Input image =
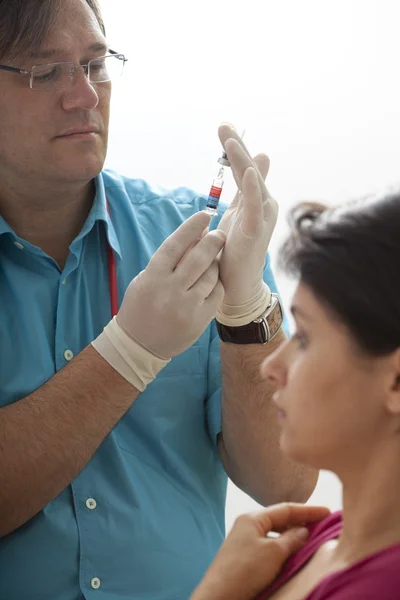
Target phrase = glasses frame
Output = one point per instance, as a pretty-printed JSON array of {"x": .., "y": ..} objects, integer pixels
[{"x": 85, "y": 67}]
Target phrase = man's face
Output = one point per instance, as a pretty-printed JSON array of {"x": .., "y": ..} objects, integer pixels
[{"x": 33, "y": 123}]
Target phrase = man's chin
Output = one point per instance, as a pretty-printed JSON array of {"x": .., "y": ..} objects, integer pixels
[{"x": 82, "y": 170}]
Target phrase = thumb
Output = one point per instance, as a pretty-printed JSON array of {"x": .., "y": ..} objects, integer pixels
[
  {"x": 176, "y": 246},
  {"x": 292, "y": 540}
]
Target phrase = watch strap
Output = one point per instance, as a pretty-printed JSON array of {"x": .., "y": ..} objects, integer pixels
[{"x": 259, "y": 331}]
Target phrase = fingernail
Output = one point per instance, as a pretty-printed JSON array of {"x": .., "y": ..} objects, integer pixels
[{"x": 302, "y": 533}]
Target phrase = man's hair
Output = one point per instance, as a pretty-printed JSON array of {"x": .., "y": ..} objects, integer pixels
[
  {"x": 25, "y": 24},
  {"x": 349, "y": 257}
]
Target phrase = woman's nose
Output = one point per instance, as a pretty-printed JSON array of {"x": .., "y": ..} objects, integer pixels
[{"x": 273, "y": 368}]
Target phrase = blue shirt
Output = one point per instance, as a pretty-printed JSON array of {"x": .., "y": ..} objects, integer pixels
[{"x": 145, "y": 517}]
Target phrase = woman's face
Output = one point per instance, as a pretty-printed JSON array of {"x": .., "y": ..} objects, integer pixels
[{"x": 330, "y": 396}]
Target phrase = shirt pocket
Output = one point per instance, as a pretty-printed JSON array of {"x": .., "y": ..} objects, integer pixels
[
  {"x": 169, "y": 416},
  {"x": 190, "y": 362}
]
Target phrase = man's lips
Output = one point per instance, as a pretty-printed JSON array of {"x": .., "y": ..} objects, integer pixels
[{"x": 79, "y": 131}]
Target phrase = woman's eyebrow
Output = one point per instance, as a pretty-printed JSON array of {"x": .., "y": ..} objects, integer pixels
[{"x": 296, "y": 311}]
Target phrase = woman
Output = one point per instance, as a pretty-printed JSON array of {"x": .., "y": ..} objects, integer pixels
[{"x": 338, "y": 395}]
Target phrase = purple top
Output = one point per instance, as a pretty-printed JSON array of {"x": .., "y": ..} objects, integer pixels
[{"x": 375, "y": 577}]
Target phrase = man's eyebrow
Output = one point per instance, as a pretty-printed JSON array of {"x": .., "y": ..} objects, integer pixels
[
  {"x": 295, "y": 310},
  {"x": 52, "y": 52}
]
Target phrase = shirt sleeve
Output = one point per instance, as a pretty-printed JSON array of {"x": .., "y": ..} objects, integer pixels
[{"x": 214, "y": 386}]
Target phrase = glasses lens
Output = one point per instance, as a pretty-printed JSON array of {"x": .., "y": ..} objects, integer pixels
[
  {"x": 46, "y": 77},
  {"x": 106, "y": 68}
]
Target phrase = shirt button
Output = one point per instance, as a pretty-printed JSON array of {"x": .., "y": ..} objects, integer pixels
[
  {"x": 68, "y": 355},
  {"x": 91, "y": 503},
  {"x": 95, "y": 583},
  {"x": 19, "y": 245},
  {"x": 64, "y": 281}
]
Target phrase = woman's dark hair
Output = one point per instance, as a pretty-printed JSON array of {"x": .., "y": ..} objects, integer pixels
[
  {"x": 24, "y": 24},
  {"x": 350, "y": 258}
]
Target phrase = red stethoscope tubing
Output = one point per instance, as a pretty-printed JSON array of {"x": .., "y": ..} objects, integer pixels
[{"x": 112, "y": 277}]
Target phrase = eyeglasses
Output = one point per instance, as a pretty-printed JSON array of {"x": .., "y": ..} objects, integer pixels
[{"x": 59, "y": 75}]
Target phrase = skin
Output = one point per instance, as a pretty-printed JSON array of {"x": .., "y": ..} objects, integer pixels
[{"x": 339, "y": 409}]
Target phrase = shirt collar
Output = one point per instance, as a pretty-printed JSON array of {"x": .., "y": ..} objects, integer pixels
[
  {"x": 4, "y": 227},
  {"x": 98, "y": 212}
]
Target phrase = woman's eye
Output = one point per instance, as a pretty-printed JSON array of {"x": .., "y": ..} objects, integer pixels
[{"x": 301, "y": 339}]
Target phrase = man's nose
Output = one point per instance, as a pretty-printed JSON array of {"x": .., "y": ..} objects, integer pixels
[{"x": 81, "y": 93}]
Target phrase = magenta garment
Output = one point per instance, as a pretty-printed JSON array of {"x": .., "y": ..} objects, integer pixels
[{"x": 376, "y": 577}]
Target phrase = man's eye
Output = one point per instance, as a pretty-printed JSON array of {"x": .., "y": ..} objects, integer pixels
[
  {"x": 301, "y": 339},
  {"x": 47, "y": 75}
]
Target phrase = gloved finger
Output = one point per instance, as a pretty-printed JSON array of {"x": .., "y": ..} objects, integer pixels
[
  {"x": 282, "y": 516},
  {"x": 235, "y": 200},
  {"x": 262, "y": 162},
  {"x": 271, "y": 207},
  {"x": 226, "y": 131},
  {"x": 207, "y": 229},
  {"x": 203, "y": 287},
  {"x": 240, "y": 161},
  {"x": 198, "y": 260},
  {"x": 174, "y": 248},
  {"x": 214, "y": 300},
  {"x": 253, "y": 213}
]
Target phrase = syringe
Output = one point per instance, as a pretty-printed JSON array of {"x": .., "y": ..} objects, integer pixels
[{"x": 217, "y": 185}]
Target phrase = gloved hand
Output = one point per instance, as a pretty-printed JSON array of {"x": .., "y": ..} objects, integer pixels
[
  {"x": 168, "y": 305},
  {"x": 248, "y": 223},
  {"x": 248, "y": 561}
]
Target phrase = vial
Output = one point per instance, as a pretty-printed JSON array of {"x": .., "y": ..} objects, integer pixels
[{"x": 217, "y": 185}]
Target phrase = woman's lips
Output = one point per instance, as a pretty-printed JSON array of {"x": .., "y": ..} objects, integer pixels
[{"x": 280, "y": 411}]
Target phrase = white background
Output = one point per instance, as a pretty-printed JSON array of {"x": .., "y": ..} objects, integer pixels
[{"x": 314, "y": 82}]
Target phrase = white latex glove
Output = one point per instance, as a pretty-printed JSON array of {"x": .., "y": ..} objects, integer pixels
[
  {"x": 168, "y": 305},
  {"x": 248, "y": 561},
  {"x": 248, "y": 223}
]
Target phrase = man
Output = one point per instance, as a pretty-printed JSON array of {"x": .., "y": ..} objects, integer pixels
[{"x": 111, "y": 453}]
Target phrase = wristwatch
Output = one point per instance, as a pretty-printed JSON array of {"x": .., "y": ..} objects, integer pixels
[{"x": 259, "y": 331}]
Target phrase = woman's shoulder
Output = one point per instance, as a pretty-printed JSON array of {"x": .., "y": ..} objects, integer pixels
[{"x": 376, "y": 576}]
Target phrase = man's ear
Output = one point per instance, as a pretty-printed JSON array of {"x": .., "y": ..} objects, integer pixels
[{"x": 393, "y": 396}]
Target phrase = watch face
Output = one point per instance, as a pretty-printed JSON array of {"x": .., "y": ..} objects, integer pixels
[{"x": 275, "y": 318}]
